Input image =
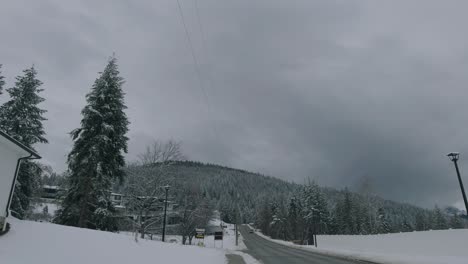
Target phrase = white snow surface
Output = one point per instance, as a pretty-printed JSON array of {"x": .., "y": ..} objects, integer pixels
[
  {"x": 228, "y": 245},
  {"x": 425, "y": 247},
  {"x": 33, "y": 242}
]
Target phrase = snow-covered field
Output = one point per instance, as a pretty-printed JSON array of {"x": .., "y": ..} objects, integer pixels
[
  {"x": 228, "y": 245},
  {"x": 34, "y": 242},
  {"x": 427, "y": 247}
]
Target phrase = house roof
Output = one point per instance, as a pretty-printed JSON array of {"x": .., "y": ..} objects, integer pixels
[{"x": 20, "y": 145}]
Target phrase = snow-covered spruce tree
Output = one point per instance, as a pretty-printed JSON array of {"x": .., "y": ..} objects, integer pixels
[
  {"x": 21, "y": 118},
  {"x": 456, "y": 222},
  {"x": 344, "y": 214},
  {"x": 295, "y": 217},
  {"x": 315, "y": 209},
  {"x": 438, "y": 219},
  {"x": 96, "y": 159},
  {"x": 385, "y": 226}
]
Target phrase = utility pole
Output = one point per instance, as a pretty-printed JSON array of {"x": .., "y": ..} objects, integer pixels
[
  {"x": 454, "y": 156},
  {"x": 237, "y": 236},
  {"x": 165, "y": 213},
  {"x": 237, "y": 220}
]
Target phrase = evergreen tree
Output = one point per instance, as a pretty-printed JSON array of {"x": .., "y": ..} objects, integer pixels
[
  {"x": 438, "y": 219},
  {"x": 421, "y": 223},
  {"x": 21, "y": 118},
  {"x": 2, "y": 80},
  {"x": 96, "y": 159},
  {"x": 265, "y": 217},
  {"x": 333, "y": 226},
  {"x": 361, "y": 217},
  {"x": 406, "y": 226},
  {"x": 385, "y": 225},
  {"x": 456, "y": 222},
  {"x": 279, "y": 226},
  {"x": 314, "y": 210},
  {"x": 344, "y": 214},
  {"x": 294, "y": 217}
]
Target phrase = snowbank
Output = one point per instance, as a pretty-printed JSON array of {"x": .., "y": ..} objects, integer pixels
[
  {"x": 33, "y": 242},
  {"x": 427, "y": 247}
]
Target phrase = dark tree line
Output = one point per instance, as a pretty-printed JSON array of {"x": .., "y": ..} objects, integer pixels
[{"x": 307, "y": 211}]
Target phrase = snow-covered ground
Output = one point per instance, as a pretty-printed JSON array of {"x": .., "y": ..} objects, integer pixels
[
  {"x": 33, "y": 242},
  {"x": 427, "y": 247},
  {"x": 228, "y": 245}
]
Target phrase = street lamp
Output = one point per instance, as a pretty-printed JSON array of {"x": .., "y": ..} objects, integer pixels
[
  {"x": 165, "y": 213},
  {"x": 453, "y": 156}
]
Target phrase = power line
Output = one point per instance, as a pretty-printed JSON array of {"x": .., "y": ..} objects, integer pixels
[
  {"x": 195, "y": 61},
  {"x": 192, "y": 51},
  {"x": 203, "y": 38},
  {"x": 202, "y": 32}
]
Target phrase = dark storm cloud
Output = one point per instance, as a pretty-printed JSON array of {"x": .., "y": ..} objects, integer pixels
[{"x": 333, "y": 90}]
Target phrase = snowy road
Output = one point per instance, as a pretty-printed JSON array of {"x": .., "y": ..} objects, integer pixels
[{"x": 273, "y": 253}]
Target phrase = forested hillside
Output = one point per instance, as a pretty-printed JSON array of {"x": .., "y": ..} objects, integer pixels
[
  {"x": 276, "y": 205},
  {"x": 229, "y": 189}
]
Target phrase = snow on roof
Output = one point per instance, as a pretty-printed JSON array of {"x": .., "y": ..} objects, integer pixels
[{"x": 18, "y": 145}]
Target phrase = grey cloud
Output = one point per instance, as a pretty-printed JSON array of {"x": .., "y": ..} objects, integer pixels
[{"x": 333, "y": 90}]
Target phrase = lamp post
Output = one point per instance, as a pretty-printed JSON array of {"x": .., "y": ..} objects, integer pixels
[
  {"x": 165, "y": 213},
  {"x": 237, "y": 220},
  {"x": 454, "y": 156}
]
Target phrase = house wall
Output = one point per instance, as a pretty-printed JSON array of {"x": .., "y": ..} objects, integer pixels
[{"x": 8, "y": 159}]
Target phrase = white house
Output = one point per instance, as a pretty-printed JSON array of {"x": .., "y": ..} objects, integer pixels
[{"x": 12, "y": 153}]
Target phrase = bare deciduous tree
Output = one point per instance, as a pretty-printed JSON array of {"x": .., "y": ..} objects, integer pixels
[
  {"x": 162, "y": 152},
  {"x": 196, "y": 213},
  {"x": 144, "y": 190}
]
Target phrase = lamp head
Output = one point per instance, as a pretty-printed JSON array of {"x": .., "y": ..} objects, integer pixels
[{"x": 453, "y": 156}]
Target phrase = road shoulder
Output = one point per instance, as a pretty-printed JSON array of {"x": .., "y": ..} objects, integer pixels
[{"x": 235, "y": 259}]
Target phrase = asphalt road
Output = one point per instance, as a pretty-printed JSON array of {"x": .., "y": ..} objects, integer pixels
[{"x": 273, "y": 253}]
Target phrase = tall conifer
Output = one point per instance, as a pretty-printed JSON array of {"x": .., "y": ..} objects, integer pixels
[
  {"x": 96, "y": 159},
  {"x": 22, "y": 119}
]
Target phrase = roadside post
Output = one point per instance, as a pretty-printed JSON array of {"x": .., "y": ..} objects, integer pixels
[
  {"x": 200, "y": 234},
  {"x": 219, "y": 236},
  {"x": 165, "y": 214}
]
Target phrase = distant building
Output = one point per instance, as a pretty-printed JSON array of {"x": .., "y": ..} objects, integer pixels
[
  {"x": 211, "y": 229},
  {"x": 51, "y": 191},
  {"x": 119, "y": 201}
]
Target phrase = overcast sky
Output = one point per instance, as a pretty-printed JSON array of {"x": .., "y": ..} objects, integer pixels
[{"x": 333, "y": 90}]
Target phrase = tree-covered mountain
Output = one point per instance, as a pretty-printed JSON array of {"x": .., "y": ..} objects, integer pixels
[
  {"x": 263, "y": 199},
  {"x": 229, "y": 189}
]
